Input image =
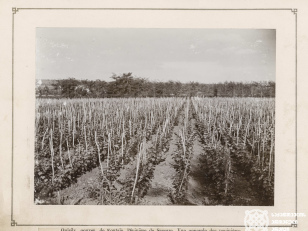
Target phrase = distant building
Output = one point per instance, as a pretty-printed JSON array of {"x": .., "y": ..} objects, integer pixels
[{"x": 46, "y": 87}]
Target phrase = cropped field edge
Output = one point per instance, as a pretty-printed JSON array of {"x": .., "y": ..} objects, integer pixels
[{"x": 15, "y": 10}]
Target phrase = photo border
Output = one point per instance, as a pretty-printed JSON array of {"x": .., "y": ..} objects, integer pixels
[{"x": 15, "y": 10}]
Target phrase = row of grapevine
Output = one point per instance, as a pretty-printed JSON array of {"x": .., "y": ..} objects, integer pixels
[
  {"x": 75, "y": 136},
  {"x": 127, "y": 138},
  {"x": 238, "y": 140},
  {"x": 182, "y": 156}
]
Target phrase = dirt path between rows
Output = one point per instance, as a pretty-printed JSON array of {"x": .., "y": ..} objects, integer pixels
[
  {"x": 164, "y": 173},
  {"x": 161, "y": 183},
  {"x": 196, "y": 180}
]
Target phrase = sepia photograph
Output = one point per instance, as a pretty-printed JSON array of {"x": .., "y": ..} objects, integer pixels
[
  {"x": 129, "y": 116},
  {"x": 170, "y": 116}
]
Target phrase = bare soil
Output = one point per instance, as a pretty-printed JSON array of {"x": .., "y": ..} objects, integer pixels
[
  {"x": 83, "y": 192},
  {"x": 161, "y": 184}
]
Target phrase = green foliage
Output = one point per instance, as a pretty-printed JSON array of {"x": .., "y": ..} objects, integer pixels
[
  {"x": 182, "y": 156},
  {"x": 127, "y": 85},
  {"x": 232, "y": 135},
  {"x": 76, "y": 136}
]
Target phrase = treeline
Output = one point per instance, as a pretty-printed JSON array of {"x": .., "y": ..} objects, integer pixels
[{"x": 126, "y": 85}]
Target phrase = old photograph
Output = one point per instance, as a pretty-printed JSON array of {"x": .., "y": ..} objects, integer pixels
[{"x": 153, "y": 116}]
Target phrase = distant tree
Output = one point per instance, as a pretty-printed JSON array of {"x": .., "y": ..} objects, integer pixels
[
  {"x": 177, "y": 88},
  {"x": 68, "y": 87},
  {"x": 127, "y": 85},
  {"x": 100, "y": 88},
  {"x": 271, "y": 88},
  {"x": 46, "y": 91},
  {"x": 57, "y": 87},
  {"x": 123, "y": 84},
  {"x": 215, "y": 92},
  {"x": 193, "y": 88},
  {"x": 170, "y": 88},
  {"x": 160, "y": 89},
  {"x": 40, "y": 91}
]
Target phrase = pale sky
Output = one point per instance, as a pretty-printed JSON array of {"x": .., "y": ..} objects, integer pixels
[{"x": 203, "y": 55}]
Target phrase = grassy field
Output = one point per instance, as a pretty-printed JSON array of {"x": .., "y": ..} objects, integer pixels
[{"x": 168, "y": 151}]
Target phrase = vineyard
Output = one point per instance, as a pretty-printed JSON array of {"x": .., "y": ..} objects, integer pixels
[{"x": 147, "y": 151}]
